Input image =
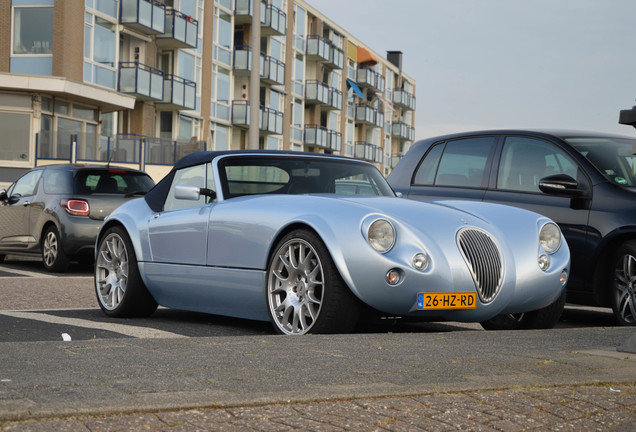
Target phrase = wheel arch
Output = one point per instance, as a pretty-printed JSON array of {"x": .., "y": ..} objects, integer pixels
[{"x": 604, "y": 256}]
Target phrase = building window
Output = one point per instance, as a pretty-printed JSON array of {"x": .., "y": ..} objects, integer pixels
[
  {"x": 100, "y": 51},
  {"x": 33, "y": 30},
  {"x": 16, "y": 133}
]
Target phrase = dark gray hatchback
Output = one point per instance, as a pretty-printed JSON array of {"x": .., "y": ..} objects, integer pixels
[
  {"x": 56, "y": 211},
  {"x": 586, "y": 182}
]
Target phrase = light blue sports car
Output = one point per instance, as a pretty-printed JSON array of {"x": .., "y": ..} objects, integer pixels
[{"x": 310, "y": 241}]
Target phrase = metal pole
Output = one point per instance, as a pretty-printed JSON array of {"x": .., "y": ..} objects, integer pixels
[{"x": 255, "y": 76}]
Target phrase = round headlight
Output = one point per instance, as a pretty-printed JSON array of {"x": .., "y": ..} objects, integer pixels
[
  {"x": 550, "y": 237},
  {"x": 381, "y": 235}
]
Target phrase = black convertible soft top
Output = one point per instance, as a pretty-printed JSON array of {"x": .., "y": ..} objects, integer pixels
[{"x": 157, "y": 195}]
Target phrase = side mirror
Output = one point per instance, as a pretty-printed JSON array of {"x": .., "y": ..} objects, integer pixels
[
  {"x": 3, "y": 194},
  {"x": 399, "y": 194},
  {"x": 192, "y": 193},
  {"x": 560, "y": 184}
]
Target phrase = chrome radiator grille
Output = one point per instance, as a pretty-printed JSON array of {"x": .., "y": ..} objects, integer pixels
[{"x": 484, "y": 261}]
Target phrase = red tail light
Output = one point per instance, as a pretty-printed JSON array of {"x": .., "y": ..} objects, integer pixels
[{"x": 76, "y": 207}]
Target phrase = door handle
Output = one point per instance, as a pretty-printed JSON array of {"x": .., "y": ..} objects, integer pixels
[{"x": 28, "y": 203}]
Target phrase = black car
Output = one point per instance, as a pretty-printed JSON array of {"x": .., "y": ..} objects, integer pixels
[
  {"x": 56, "y": 211},
  {"x": 586, "y": 182}
]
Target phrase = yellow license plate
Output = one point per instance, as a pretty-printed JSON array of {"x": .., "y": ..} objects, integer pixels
[{"x": 437, "y": 301}]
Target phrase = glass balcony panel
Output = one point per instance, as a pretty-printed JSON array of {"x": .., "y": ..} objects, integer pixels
[
  {"x": 317, "y": 46},
  {"x": 192, "y": 30},
  {"x": 156, "y": 86},
  {"x": 127, "y": 80},
  {"x": 189, "y": 96},
  {"x": 158, "y": 18},
  {"x": 178, "y": 93},
  {"x": 243, "y": 7},
  {"x": 143, "y": 82},
  {"x": 240, "y": 113},
  {"x": 179, "y": 27},
  {"x": 145, "y": 13},
  {"x": 242, "y": 59}
]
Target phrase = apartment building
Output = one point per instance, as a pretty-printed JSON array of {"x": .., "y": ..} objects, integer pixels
[{"x": 144, "y": 82}]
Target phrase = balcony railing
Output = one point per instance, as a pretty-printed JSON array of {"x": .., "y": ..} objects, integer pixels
[
  {"x": 316, "y": 135},
  {"x": 368, "y": 115},
  {"x": 335, "y": 99},
  {"x": 318, "y": 48},
  {"x": 370, "y": 79},
  {"x": 369, "y": 152},
  {"x": 270, "y": 121},
  {"x": 274, "y": 71},
  {"x": 403, "y": 99},
  {"x": 316, "y": 92},
  {"x": 273, "y": 20},
  {"x": 145, "y": 16},
  {"x": 181, "y": 31},
  {"x": 336, "y": 58},
  {"x": 403, "y": 131},
  {"x": 242, "y": 59},
  {"x": 178, "y": 93},
  {"x": 141, "y": 80},
  {"x": 335, "y": 140}
]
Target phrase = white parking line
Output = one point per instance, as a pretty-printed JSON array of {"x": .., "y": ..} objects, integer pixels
[
  {"x": 25, "y": 273},
  {"x": 132, "y": 331}
]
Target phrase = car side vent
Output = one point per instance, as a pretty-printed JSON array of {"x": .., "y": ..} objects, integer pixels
[{"x": 482, "y": 255}]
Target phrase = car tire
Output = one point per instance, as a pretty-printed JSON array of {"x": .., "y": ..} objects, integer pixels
[
  {"x": 118, "y": 285},
  {"x": 544, "y": 318},
  {"x": 304, "y": 290},
  {"x": 53, "y": 256},
  {"x": 623, "y": 284}
]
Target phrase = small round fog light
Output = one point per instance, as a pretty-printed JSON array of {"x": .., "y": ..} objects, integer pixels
[
  {"x": 544, "y": 262},
  {"x": 420, "y": 261},
  {"x": 564, "y": 276},
  {"x": 393, "y": 277}
]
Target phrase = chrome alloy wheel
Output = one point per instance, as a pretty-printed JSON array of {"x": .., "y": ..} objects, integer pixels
[
  {"x": 50, "y": 248},
  {"x": 111, "y": 271},
  {"x": 625, "y": 289},
  {"x": 295, "y": 287}
]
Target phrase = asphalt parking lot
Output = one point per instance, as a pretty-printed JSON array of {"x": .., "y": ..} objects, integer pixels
[{"x": 223, "y": 374}]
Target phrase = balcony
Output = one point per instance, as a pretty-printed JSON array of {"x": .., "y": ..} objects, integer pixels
[
  {"x": 274, "y": 71},
  {"x": 318, "y": 48},
  {"x": 370, "y": 79},
  {"x": 368, "y": 115},
  {"x": 336, "y": 58},
  {"x": 274, "y": 23},
  {"x": 335, "y": 140},
  {"x": 140, "y": 80},
  {"x": 403, "y": 131},
  {"x": 178, "y": 93},
  {"x": 316, "y": 135},
  {"x": 335, "y": 99},
  {"x": 403, "y": 99},
  {"x": 368, "y": 152},
  {"x": 270, "y": 121},
  {"x": 317, "y": 92},
  {"x": 144, "y": 16},
  {"x": 273, "y": 20},
  {"x": 181, "y": 31}
]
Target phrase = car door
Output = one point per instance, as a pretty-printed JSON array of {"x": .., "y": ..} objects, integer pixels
[
  {"x": 455, "y": 169},
  {"x": 523, "y": 161},
  {"x": 15, "y": 212},
  {"x": 178, "y": 234}
]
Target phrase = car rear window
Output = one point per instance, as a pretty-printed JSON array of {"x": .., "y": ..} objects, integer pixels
[{"x": 112, "y": 182}]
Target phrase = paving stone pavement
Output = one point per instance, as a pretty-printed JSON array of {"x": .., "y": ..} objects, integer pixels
[{"x": 602, "y": 407}]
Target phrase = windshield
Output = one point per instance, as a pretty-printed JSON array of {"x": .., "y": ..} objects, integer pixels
[
  {"x": 611, "y": 156},
  {"x": 251, "y": 175}
]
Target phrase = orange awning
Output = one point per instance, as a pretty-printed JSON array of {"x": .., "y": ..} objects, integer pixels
[{"x": 366, "y": 57}]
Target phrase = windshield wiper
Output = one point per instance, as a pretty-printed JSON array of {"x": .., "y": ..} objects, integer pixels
[{"x": 129, "y": 194}]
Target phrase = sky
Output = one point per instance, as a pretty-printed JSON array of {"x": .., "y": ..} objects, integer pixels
[{"x": 493, "y": 64}]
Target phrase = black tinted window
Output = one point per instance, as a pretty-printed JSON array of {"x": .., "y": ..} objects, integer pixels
[
  {"x": 462, "y": 163},
  {"x": 525, "y": 161},
  {"x": 111, "y": 182}
]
